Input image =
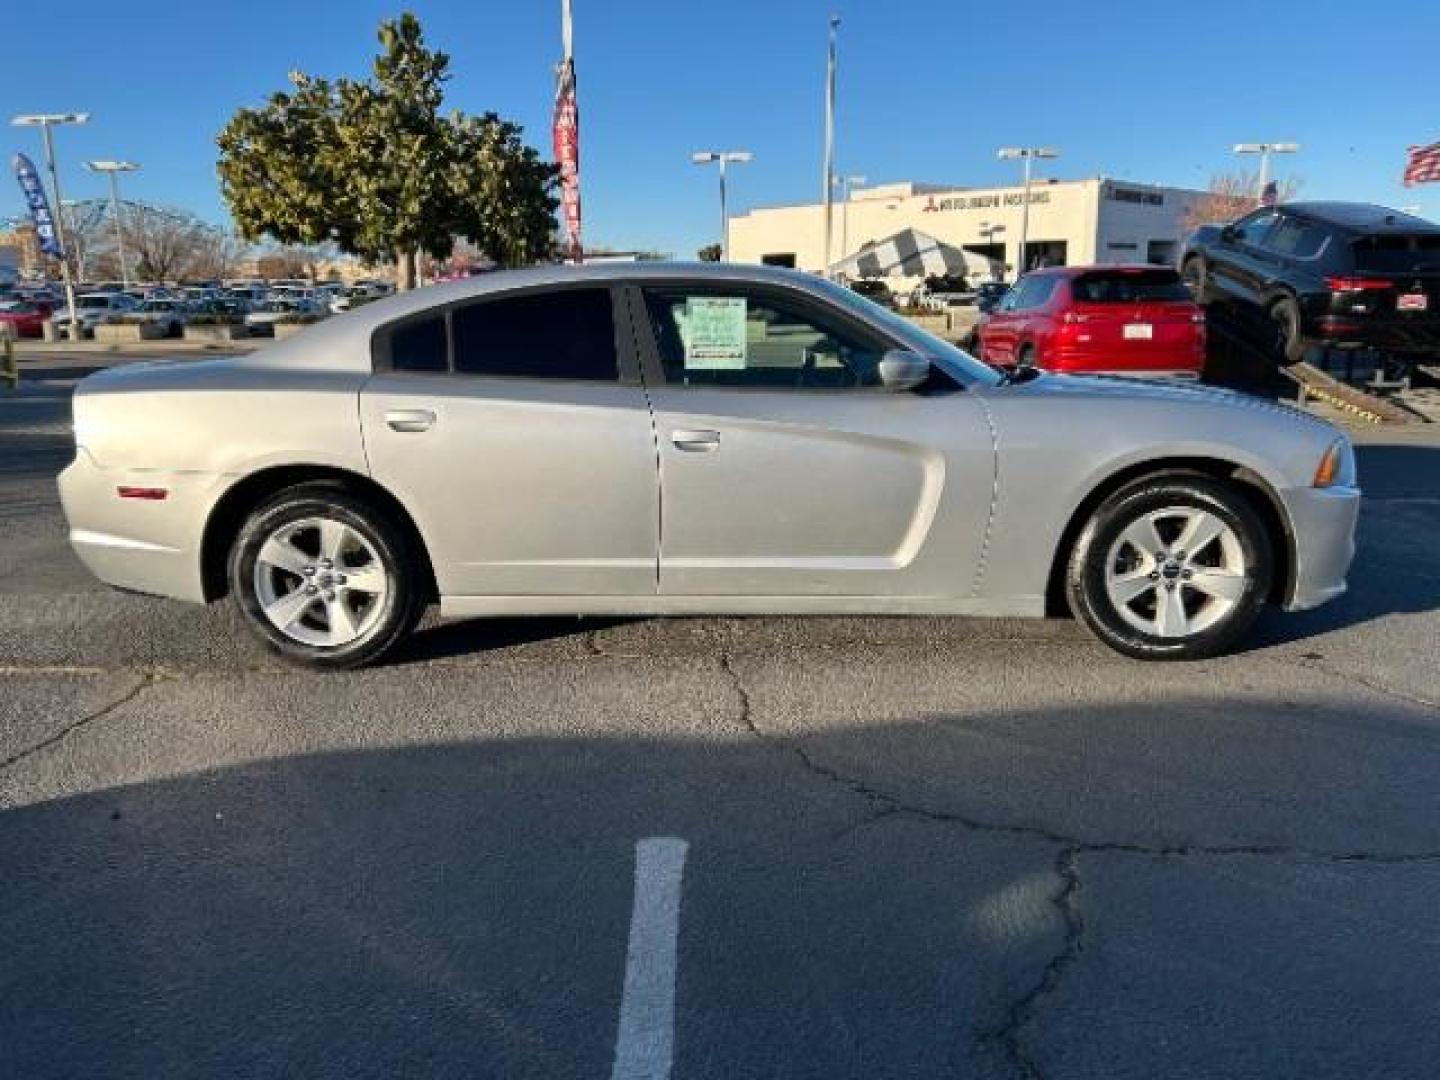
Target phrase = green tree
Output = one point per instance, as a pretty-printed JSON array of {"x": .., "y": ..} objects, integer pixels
[{"x": 375, "y": 169}]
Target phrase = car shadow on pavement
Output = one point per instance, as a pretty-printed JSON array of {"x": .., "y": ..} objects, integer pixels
[{"x": 865, "y": 899}]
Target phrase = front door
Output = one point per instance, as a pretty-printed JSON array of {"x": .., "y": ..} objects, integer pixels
[
  {"x": 786, "y": 470},
  {"x": 516, "y": 432}
]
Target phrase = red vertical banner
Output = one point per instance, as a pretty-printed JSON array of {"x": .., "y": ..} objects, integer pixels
[{"x": 567, "y": 155}]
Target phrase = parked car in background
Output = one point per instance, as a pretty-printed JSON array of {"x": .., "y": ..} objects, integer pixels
[
  {"x": 1114, "y": 320},
  {"x": 816, "y": 454},
  {"x": 873, "y": 289},
  {"x": 988, "y": 295},
  {"x": 167, "y": 313},
  {"x": 262, "y": 319},
  {"x": 1327, "y": 274},
  {"x": 93, "y": 308},
  {"x": 353, "y": 297},
  {"x": 23, "y": 318}
]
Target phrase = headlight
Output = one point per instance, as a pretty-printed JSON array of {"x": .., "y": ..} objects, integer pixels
[{"x": 1337, "y": 467}]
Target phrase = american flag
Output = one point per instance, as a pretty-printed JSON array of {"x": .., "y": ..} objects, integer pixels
[
  {"x": 566, "y": 132},
  {"x": 1422, "y": 164}
]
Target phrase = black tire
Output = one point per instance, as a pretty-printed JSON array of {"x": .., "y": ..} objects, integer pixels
[
  {"x": 1285, "y": 314},
  {"x": 1196, "y": 275},
  {"x": 1086, "y": 576},
  {"x": 396, "y": 611}
]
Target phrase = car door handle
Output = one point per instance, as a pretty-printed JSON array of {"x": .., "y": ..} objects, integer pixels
[
  {"x": 700, "y": 442},
  {"x": 410, "y": 419}
]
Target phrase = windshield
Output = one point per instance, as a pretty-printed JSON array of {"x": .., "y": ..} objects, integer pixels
[
  {"x": 1397, "y": 254},
  {"x": 955, "y": 360},
  {"x": 1128, "y": 287}
]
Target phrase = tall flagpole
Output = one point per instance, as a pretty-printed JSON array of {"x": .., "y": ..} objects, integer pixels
[
  {"x": 566, "y": 134},
  {"x": 828, "y": 181}
]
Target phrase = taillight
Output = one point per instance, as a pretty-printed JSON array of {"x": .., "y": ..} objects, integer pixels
[
  {"x": 1356, "y": 284},
  {"x": 1070, "y": 318}
]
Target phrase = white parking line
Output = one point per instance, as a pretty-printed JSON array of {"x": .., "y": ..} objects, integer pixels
[{"x": 645, "y": 1043}]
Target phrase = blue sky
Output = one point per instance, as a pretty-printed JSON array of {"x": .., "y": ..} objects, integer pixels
[{"x": 1149, "y": 92}]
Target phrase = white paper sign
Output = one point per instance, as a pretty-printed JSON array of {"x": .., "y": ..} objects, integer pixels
[{"x": 714, "y": 333}]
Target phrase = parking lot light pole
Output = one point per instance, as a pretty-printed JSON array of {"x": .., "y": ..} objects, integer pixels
[
  {"x": 46, "y": 121},
  {"x": 1026, "y": 154},
  {"x": 827, "y": 183},
  {"x": 1265, "y": 149},
  {"x": 722, "y": 158},
  {"x": 111, "y": 169},
  {"x": 847, "y": 185}
]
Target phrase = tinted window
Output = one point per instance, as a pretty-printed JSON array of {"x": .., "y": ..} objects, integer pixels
[
  {"x": 1256, "y": 226},
  {"x": 710, "y": 339},
  {"x": 414, "y": 346},
  {"x": 1299, "y": 239},
  {"x": 1397, "y": 254},
  {"x": 1128, "y": 287},
  {"x": 566, "y": 334}
]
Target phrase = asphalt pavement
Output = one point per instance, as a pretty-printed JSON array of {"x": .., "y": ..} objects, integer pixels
[{"x": 715, "y": 847}]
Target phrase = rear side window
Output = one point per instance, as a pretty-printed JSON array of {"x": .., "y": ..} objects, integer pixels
[
  {"x": 1397, "y": 253},
  {"x": 566, "y": 334},
  {"x": 1128, "y": 287},
  {"x": 1298, "y": 239},
  {"x": 415, "y": 346}
]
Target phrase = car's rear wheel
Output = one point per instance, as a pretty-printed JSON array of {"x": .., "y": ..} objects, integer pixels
[
  {"x": 324, "y": 579},
  {"x": 1172, "y": 567},
  {"x": 1285, "y": 314}
]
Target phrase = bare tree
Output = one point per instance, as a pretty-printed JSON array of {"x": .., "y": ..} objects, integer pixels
[
  {"x": 294, "y": 261},
  {"x": 218, "y": 255},
  {"x": 165, "y": 244},
  {"x": 1232, "y": 196}
]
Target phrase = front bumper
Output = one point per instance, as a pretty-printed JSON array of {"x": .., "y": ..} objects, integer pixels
[
  {"x": 142, "y": 545},
  {"x": 1322, "y": 529}
]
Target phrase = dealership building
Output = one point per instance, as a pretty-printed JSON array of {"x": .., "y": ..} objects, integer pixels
[{"x": 1072, "y": 222}]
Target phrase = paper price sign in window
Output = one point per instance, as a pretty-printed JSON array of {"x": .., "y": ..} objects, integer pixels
[{"x": 715, "y": 333}]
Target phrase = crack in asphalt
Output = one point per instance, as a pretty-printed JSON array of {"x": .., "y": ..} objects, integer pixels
[
  {"x": 1023, "y": 1009},
  {"x": 147, "y": 680},
  {"x": 1066, "y": 901}
]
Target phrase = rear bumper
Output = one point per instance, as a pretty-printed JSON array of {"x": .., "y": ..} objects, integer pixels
[
  {"x": 149, "y": 546},
  {"x": 1322, "y": 525},
  {"x": 1396, "y": 335}
]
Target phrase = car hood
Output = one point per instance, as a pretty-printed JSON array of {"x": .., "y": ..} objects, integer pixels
[{"x": 1119, "y": 389}]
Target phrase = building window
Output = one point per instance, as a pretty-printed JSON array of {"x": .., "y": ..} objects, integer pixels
[
  {"x": 785, "y": 259},
  {"x": 1161, "y": 252}
]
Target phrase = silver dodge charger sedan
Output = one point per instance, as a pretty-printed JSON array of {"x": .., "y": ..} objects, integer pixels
[{"x": 675, "y": 440}]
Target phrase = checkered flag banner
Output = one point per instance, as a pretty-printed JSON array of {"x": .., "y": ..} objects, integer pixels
[{"x": 1422, "y": 164}]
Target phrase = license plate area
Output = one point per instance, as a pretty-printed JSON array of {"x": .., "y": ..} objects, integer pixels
[
  {"x": 1138, "y": 331},
  {"x": 1412, "y": 302}
]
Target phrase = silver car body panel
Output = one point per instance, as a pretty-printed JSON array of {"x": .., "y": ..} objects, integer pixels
[{"x": 547, "y": 496}]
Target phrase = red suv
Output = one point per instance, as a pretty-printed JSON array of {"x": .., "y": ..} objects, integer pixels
[{"x": 1117, "y": 320}]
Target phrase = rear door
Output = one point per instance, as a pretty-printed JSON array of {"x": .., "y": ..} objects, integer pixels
[
  {"x": 786, "y": 470},
  {"x": 1002, "y": 328},
  {"x": 515, "y": 430}
]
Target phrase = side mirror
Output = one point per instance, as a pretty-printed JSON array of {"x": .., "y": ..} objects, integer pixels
[{"x": 902, "y": 370}]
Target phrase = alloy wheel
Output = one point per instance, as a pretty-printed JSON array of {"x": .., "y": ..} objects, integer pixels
[
  {"x": 320, "y": 582},
  {"x": 1176, "y": 571}
]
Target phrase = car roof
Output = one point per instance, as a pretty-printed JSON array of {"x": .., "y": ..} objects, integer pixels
[
  {"x": 1362, "y": 217},
  {"x": 343, "y": 343},
  {"x": 1100, "y": 268}
]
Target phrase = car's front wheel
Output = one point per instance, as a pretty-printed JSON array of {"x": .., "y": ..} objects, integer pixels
[
  {"x": 1172, "y": 567},
  {"x": 325, "y": 579}
]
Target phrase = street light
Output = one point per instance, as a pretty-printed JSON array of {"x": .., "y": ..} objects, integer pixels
[
  {"x": 847, "y": 184},
  {"x": 1026, "y": 154},
  {"x": 1265, "y": 149},
  {"x": 722, "y": 158},
  {"x": 46, "y": 121},
  {"x": 827, "y": 182},
  {"x": 110, "y": 169}
]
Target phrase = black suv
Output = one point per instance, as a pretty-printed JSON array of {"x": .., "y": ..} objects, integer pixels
[{"x": 1325, "y": 273}]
